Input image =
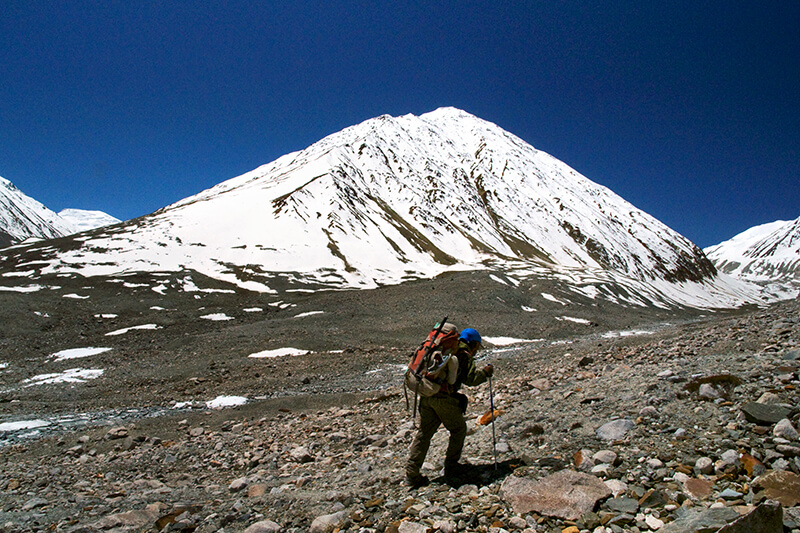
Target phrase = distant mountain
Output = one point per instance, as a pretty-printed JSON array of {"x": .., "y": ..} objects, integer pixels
[
  {"x": 768, "y": 254},
  {"x": 396, "y": 199},
  {"x": 22, "y": 217},
  {"x": 83, "y": 220}
]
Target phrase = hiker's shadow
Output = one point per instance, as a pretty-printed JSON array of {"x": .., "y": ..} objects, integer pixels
[{"x": 481, "y": 475}]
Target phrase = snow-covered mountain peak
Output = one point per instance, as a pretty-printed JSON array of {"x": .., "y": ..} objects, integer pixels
[
  {"x": 768, "y": 254},
  {"x": 84, "y": 220},
  {"x": 400, "y": 198},
  {"x": 22, "y": 217}
]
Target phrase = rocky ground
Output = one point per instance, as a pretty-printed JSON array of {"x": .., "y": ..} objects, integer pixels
[
  {"x": 685, "y": 426},
  {"x": 184, "y": 337}
]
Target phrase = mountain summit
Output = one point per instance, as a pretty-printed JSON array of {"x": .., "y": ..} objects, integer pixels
[
  {"x": 85, "y": 220},
  {"x": 395, "y": 199},
  {"x": 768, "y": 254},
  {"x": 22, "y": 217}
]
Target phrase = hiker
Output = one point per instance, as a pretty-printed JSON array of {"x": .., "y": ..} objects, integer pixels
[{"x": 447, "y": 407}]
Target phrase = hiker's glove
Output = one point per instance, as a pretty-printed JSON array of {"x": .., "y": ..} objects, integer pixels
[{"x": 488, "y": 370}]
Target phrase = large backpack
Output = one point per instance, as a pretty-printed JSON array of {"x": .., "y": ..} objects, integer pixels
[{"x": 427, "y": 368}]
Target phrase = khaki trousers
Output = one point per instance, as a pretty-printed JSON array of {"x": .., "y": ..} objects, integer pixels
[{"x": 435, "y": 411}]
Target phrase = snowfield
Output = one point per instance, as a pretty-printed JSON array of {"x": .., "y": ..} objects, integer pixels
[{"x": 77, "y": 353}]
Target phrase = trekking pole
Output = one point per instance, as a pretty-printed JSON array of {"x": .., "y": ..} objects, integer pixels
[{"x": 491, "y": 406}]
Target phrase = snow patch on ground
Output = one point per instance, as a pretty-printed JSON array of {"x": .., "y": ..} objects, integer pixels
[
  {"x": 126, "y": 330},
  {"x": 217, "y": 317},
  {"x": 573, "y": 319},
  {"x": 23, "y": 424},
  {"x": 28, "y": 288},
  {"x": 552, "y": 298},
  {"x": 281, "y": 305},
  {"x": 74, "y": 296},
  {"x": 220, "y": 402},
  {"x": 280, "y": 352},
  {"x": 19, "y": 274},
  {"x": 590, "y": 291},
  {"x": 310, "y": 313},
  {"x": 77, "y": 353},
  {"x": 629, "y": 333},
  {"x": 73, "y": 375},
  {"x": 190, "y": 286},
  {"x": 505, "y": 341}
]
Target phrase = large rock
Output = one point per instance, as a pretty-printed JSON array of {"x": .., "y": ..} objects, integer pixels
[
  {"x": 785, "y": 429},
  {"x": 238, "y": 484},
  {"x": 565, "y": 494},
  {"x": 766, "y": 518},
  {"x": 705, "y": 520},
  {"x": 141, "y": 518},
  {"x": 301, "y": 454},
  {"x": 117, "y": 433},
  {"x": 615, "y": 430},
  {"x": 329, "y": 522},
  {"x": 763, "y": 413},
  {"x": 623, "y": 505},
  {"x": 698, "y": 488},
  {"x": 412, "y": 527},
  {"x": 265, "y": 526},
  {"x": 780, "y": 485}
]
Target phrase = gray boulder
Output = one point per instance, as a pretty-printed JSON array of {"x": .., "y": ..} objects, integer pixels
[
  {"x": 763, "y": 413},
  {"x": 766, "y": 518},
  {"x": 265, "y": 526},
  {"x": 615, "y": 430},
  {"x": 693, "y": 520}
]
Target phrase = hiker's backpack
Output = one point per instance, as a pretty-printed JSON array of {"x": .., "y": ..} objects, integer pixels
[{"x": 427, "y": 369}]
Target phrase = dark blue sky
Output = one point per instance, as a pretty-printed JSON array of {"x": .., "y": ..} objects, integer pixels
[{"x": 688, "y": 109}]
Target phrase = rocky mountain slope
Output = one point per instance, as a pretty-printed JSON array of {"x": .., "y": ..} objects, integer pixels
[
  {"x": 685, "y": 426},
  {"x": 22, "y": 217},
  {"x": 768, "y": 255},
  {"x": 402, "y": 198}
]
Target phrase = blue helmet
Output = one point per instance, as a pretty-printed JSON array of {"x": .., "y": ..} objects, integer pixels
[{"x": 470, "y": 335}]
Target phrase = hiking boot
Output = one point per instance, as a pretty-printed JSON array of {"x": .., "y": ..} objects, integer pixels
[
  {"x": 416, "y": 482},
  {"x": 456, "y": 476},
  {"x": 454, "y": 480}
]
